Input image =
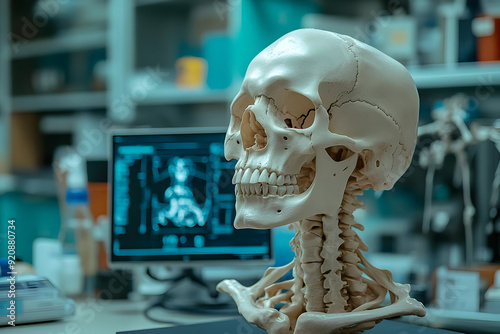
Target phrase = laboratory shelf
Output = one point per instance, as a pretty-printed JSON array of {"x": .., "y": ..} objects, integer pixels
[
  {"x": 67, "y": 42},
  {"x": 41, "y": 182},
  {"x": 170, "y": 94},
  {"x": 7, "y": 183},
  {"x": 59, "y": 101},
  {"x": 484, "y": 74},
  {"x": 140, "y": 3}
]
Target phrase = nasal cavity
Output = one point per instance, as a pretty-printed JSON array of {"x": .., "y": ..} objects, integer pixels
[{"x": 252, "y": 132}]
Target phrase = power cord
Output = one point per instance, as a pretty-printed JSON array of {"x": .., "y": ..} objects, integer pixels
[
  {"x": 160, "y": 304},
  {"x": 208, "y": 308},
  {"x": 156, "y": 278}
]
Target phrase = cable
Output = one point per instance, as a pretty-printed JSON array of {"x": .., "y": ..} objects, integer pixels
[
  {"x": 186, "y": 274},
  {"x": 169, "y": 279},
  {"x": 200, "y": 308},
  {"x": 149, "y": 308},
  {"x": 160, "y": 303}
]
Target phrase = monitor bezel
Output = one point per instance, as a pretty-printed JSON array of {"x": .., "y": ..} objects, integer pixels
[{"x": 130, "y": 264}]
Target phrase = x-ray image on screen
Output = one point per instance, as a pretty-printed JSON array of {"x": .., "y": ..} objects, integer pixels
[
  {"x": 173, "y": 199},
  {"x": 181, "y": 209}
]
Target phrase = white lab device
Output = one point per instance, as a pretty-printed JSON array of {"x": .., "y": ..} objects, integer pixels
[{"x": 36, "y": 300}]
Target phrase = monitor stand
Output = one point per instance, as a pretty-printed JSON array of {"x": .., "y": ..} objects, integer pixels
[{"x": 189, "y": 292}]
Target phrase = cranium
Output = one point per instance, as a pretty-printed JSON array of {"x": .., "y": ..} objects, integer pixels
[
  {"x": 320, "y": 117},
  {"x": 317, "y": 103}
]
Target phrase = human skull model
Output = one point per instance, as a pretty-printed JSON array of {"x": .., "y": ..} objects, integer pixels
[{"x": 320, "y": 117}]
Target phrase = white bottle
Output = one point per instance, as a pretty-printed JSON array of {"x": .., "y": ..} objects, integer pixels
[
  {"x": 71, "y": 274},
  {"x": 79, "y": 248}
]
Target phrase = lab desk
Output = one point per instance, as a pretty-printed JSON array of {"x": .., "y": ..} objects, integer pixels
[
  {"x": 100, "y": 316},
  {"x": 122, "y": 316}
]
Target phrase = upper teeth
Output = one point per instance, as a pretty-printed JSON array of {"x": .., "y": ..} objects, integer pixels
[{"x": 263, "y": 182}]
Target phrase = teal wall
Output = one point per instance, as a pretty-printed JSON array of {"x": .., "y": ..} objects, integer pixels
[
  {"x": 263, "y": 22},
  {"x": 35, "y": 217}
]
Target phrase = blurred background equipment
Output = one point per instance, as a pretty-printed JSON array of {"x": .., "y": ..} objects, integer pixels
[
  {"x": 447, "y": 120},
  {"x": 37, "y": 300}
]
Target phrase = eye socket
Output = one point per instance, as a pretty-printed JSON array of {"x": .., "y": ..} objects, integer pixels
[
  {"x": 238, "y": 107},
  {"x": 297, "y": 112},
  {"x": 339, "y": 153}
]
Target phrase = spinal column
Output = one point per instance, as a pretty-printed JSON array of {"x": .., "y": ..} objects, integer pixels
[
  {"x": 307, "y": 249},
  {"x": 354, "y": 291},
  {"x": 326, "y": 271},
  {"x": 312, "y": 267}
]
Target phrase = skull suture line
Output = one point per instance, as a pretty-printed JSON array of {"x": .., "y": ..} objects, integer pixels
[{"x": 319, "y": 118}]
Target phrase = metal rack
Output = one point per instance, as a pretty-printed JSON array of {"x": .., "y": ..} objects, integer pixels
[{"x": 456, "y": 75}]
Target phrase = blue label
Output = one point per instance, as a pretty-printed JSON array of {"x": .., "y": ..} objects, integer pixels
[{"x": 5, "y": 307}]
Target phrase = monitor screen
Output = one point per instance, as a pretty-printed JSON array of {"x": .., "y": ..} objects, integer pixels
[{"x": 172, "y": 200}]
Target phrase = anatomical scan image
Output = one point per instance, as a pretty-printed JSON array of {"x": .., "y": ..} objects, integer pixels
[{"x": 182, "y": 209}]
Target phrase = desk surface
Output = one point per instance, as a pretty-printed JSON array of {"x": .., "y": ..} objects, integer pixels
[
  {"x": 108, "y": 317},
  {"x": 239, "y": 325}
]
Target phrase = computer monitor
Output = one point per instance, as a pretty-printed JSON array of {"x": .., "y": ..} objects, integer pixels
[{"x": 173, "y": 203}]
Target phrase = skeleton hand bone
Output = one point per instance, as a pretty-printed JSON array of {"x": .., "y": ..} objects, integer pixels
[{"x": 266, "y": 317}]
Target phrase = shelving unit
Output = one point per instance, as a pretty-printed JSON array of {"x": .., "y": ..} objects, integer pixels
[
  {"x": 456, "y": 75},
  {"x": 28, "y": 51},
  {"x": 139, "y": 3},
  {"x": 169, "y": 94},
  {"x": 40, "y": 183},
  {"x": 60, "y": 101},
  {"x": 5, "y": 91},
  {"x": 119, "y": 40},
  {"x": 124, "y": 52},
  {"x": 70, "y": 42}
]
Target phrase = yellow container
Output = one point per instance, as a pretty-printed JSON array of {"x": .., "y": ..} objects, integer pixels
[{"x": 191, "y": 72}]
